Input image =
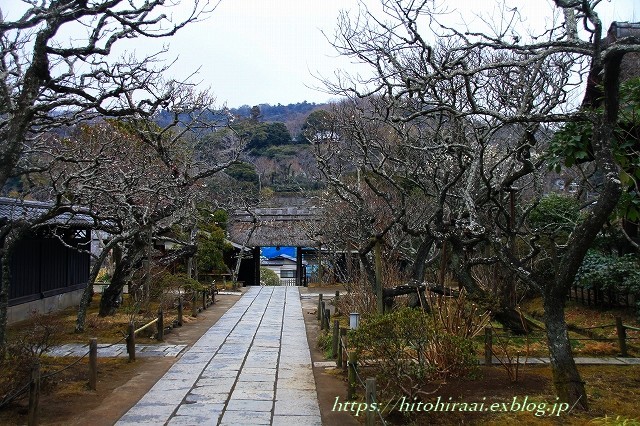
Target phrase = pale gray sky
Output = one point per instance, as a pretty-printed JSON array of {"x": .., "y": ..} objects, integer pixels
[
  {"x": 263, "y": 51},
  {"x": 268, "y": 51}
]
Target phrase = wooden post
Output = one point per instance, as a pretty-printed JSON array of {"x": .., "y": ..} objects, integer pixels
[
  {"x": 343, "y": 347},
  {"x": 319, "y": 307},
  {"x": 341, "y": 332},
  {"x": 335, "y": 302},
  {"x": 327, "y": 319},
  {"x": 488, "y": 346},
  {"x": 34, "y": 394},
  {"x": 335, "y": 337},
  {"x": 298, "y": 266},
  {"x": 320, "y": 273},
  {"x": 204, "y": 300},
  {"x": 194, "y": 301},
  {"x": 322, "y": 315},
  {"x": 93, "y": 363},
  {"x": 131, "y": 342},
  {"x": 622, "y": 336},
  {"x": 147, "y": 265},
  {"x": 160, "y": 324},
  {"x": 443, "y": 262},
  {"x": 370, "y": 398},
  {"x": 256, "y": 268},
  {"x": 352, "y": 376},
  {"x": 378, "y": 270},
  {"x": 180, "y": 313}
]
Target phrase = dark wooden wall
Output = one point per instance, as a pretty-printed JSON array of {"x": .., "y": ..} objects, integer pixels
[{"x": 41, "y": 266}]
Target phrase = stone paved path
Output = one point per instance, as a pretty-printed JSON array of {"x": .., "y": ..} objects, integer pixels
[
  {"x": 252, "y": 367},
  {"x": 117, "y": 350}
]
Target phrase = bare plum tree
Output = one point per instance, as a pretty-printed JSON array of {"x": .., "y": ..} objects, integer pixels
[
  {"x": 475, "y": 104},
  {"x": 57, "y": 69}
]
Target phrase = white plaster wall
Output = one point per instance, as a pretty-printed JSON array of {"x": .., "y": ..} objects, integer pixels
[{"x": 54, "y": 303}]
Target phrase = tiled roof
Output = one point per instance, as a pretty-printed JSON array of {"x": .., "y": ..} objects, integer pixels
[
  {"x": 279, "y": 260},
  {"x": 267, "y": 227},
  {"x": 14, "y": 209}
]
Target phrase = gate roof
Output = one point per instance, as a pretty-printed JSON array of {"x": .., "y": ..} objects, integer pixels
[{"x": 270, "y": 227}]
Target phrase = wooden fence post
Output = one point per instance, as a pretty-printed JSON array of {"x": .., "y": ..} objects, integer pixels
[
  {"x": 93, "y": 363},
  {"x": 336, "y": 300},
  {"x": 131, "y": 342},
  {"x": 622, "y": 336},
  {"x": 327, "y": 319},
  {"x": 160, "y": 324},
  {"x": 34, "y": 394},
  {"x": 320, "y": 307},
  {"x": 352, "y": 375},
  {"x": 194, "y": 308},
  {"x": 377, "y": 254},
  {"x": 180, "y": 313},
  {"x": 204, "y": 300},
  {"x": 370, "y": 398},
  {"x": 343, "y": 332},
  {"x": 334, "y": 338},
  {"x": 488, "y": 346},
  {"x": 343, "y": 335},
  {"x": 322, "y": 313}
]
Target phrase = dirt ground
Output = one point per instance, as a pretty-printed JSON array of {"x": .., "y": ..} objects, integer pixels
[
  {"x": 120, "y": 383},
  {"x": 328, "y": 384}
]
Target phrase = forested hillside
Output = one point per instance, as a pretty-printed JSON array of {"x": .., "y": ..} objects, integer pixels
[{"x": 277, "y": 157}]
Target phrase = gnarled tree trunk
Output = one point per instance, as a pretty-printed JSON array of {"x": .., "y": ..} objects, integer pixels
[{"x": 132, "y": 255}]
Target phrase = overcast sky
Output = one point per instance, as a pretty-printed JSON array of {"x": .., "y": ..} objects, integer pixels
[{"x": 268, "y": 51}]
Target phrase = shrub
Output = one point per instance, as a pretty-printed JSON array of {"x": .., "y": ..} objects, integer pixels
[
  {"x": 359, "y": 298},
  {"x": 457, "y": 315},
  {"x": 178, "y": 283},
  {"x": 103, "y": 276},
  {"x": 25, "y": 349},
  {"x": 268, "y": 277},
  {"x": 410, "y": 352},
  {"x": 325, "y": 343},
  {"x": 621, "y": 274}
]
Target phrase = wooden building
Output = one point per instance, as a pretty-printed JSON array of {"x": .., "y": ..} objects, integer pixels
[
  {"x": 49, "y": 265},
  {"x": 271, "y": 227},
  {"x": 287, "y": 268}
]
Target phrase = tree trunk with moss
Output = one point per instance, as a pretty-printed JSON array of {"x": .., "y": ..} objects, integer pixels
[
  {"x": 88, "y": 291},
  {"x": 132, "y": 256}
]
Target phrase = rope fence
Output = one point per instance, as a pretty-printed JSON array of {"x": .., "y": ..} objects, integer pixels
[
  {"x": 200, "y": 300},
  {"x": 621, "y": 336},
  {"x": 12, "y": 396},
  {"x": 33, "y": 385},
  {"x": 348, "y": 361}
]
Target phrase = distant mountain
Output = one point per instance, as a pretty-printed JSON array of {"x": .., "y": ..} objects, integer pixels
[
  {"x": 292, "y": 115},
  {"x": 282, "y": 113}
]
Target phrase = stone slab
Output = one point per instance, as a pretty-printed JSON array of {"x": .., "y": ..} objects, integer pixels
[
  {"x": 237, "y": 374},
  {"x": 281, "y": 420}
]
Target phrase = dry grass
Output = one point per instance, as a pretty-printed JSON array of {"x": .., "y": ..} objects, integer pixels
[
  {"x": 589, "y": 319},
  {"x": 613, "y": 394},
  {"x": 67, "y": 388},
  {"x": 108, "y": 329}
]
